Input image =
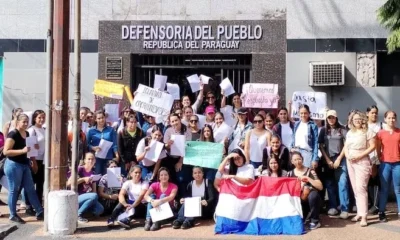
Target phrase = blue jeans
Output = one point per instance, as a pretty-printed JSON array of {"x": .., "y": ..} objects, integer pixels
[
  {"x": 100, "y": 166},
  {"x": 88, "y": 202},
  {"x": 255, "y": 164},
  {"x": 209, "y": 173},
  {"x": 307, "y": 157},
  {"x": 146, "y": 171},
  {"x": 149, "y": 206},
  {"x": 389, "y": 172},
  {"x": 342, "y": 178},
  {"x": 19, "y": 176}
]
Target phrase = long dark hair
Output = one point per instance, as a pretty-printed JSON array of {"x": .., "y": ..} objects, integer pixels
[
  {"x": 163, "y": 169},
  {"x": 306, "y": 107},
  {"x": 232, "y": 166},
  {"x": 183, "y": 127},
  {"x": 34, "y": 116},
  {"x": 202, "y": 138},
  {"x": 328, "y": 127},
  {"x": 273, "y": 156}
]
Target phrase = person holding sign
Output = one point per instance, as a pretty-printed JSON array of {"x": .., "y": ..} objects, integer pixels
[
  {"x": 305, "y": 138},
  {"x": 102, "y": 133},
  {"x": 211, "y": 102},
  {"x": 208, "y": 136},
  {"x": 240, "y": 130},
  {"x": 256, "y": 140},
  {"x": 222, "y": 131},
  {"x": 199, "y": 187},
  {"x": 159, "y": 193},
  {"x": 186, "y": 100},
  {"x": 284, "y": 128},
  {"x": 236, "y": 102},
  {"x": 135, "y": 188},
  {"x": 148, "y": 124},
  {"x": 17, "y": 169}
]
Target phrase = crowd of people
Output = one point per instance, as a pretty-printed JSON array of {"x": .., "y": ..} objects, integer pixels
[{"x": 354, "y": 164}]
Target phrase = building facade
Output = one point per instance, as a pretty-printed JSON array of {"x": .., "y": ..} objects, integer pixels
[{"x": 294, "y": 33}]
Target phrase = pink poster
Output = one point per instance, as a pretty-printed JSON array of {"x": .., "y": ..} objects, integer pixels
[{"x": 258, "y": 95}]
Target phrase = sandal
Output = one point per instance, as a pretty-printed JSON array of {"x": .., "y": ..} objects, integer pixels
[
  {"x": 363, "y": 223},
  {"x": 356, "y": 219}
]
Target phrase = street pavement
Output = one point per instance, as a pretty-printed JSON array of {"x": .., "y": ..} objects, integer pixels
[{"x": 332, "y": 228}]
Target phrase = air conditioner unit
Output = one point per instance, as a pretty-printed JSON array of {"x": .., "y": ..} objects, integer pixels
[{"x": 326, "y": 74}]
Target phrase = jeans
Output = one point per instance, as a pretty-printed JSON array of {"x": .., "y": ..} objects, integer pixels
[
  {"x": 307, "y": 157},
  {"x": 89, "y": 202},
  {"x": 147, "y": 171},
  {"x": 19, "y": 176},
  {"x": 149, "y": 206},
  {"x": 100, "y": 166},
  {"x": 389, "y": 172},
  {"x": 140, "y": 210},
  {"x": 338, "y": 184},
  {"x": 206, "y": 211},
  {"x": 38, "y": 179},
  {"x": 255, "y": 164},
  {"x": 311, "y": 207},
  {"x": 183, "y": 177}
]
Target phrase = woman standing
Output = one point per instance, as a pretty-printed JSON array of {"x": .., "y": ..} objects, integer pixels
[
  {"x": 240, "y": 130},
  {"x": 360, "y": 142},
  {"x": 269, "y": 122},
  {"x": 186, "y": 100},
  {"x": 102, "y": 132},
  {"x": 284, "y": 128},
  {"x": 159, "y": 193},
  {"x": 11, "y": 125},
  {"x": 310, "y": 185},
  {"x": 278, "y": 150},
  {"x": 388, "y": 149},
  {"x": 221, "y": 130},
  {"x": 331, "y": 142},
  {"x": 149, "y": 123},
  {"x": 17, "y": 169},
  {"x": 187, "y": 113},
  {"x": 256, "y": 140},
  {"x": 208, "y": 136},
  {"x": 194, "y": 127},
  {"x": 236, "y": 102},
  {"x": 305, "y": 138}
]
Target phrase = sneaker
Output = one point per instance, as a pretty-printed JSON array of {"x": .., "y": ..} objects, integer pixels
[
  {"x": 110, "y": 222},
  {"x": 373, "y": 210},
  {"x": 30, "y": 212},
  {"x": 382, "y": 217},
  {"x": 147, "y": 225},
  {"x": 82, "y": 220},
  {"x": 332, "y": 212},
  {"x": 17, "y": 219},
  {"x": 186, "y": 225},
  {"x": 314, "y": 226},
  {"x": 125, "y": 223},
  {"x": 176, "y": 224},
  {"x": 344, "y": 215},
  {"x": 40, "y": 216},
  {"x": 156, "y": 226}
]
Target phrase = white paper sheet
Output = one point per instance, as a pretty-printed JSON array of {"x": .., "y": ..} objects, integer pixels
[
  {"x": 126, "y": 214},
  {"x": 30, "y": 142},
  {"x": 194, "y": 82},
  {"x": 113, "y": 177},
  {"x": 162, "y": 212},
  {"x": 155, "y": 150},
  {"x": 204, "y": 79},
  {"x": 174, "y": 90},
  {"x": 85, "y": 127},
  {"x": 112, "y": 111},
  {"x": 104, "y": 145},
  {"x": 226, "y": 85},
  {"x": 202, "y": 120},
  {"x": 160, "y": 81},
  {"x": 192, "y": 207},
  {"x": 96, "y": 177},
  {"x": 224, "y": 131},
  {"x": 178, "y": 147},
  {"x": 229, "y": 115}
]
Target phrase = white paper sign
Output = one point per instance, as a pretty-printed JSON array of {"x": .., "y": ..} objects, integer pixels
[
  {"x": 222, "y": 132},
  {"x": 229, "y": 115},
  {"x": 30, "y": 142},
  {"x": 85, "y": 127},
  {"x": 152, "y": 102},
  {"x": 112, "y": 111},
  {"x": 155, "y": 150},
  {"x": 162, "y": 212},
  {"x": 104, "y": 146},
  {"x": 227, "y": 87},
  {"x": 317, "y": 101},
  {"x": 194, "y": 82},
  {"x": 192, "y": 207},
  {"x": 96, "y": 177},
  {"x": 204, "y": 79},
  {"x": 260, "y": 95},
  {"x": 29, "y": 114},
  {"x": 113, "y": 177},
  {"x": 159, "y": 82},
  {"x": 202, "y": 120},
  {"x": 174, "y": 90},
  {"x": 178, "y": 147},
  {"x": 126, "y": 214}
]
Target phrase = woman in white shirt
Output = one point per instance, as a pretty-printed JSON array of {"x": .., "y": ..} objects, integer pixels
[
  {"x": 221, "y": 130},
  {"x": 256, "y": 140},
  {"x": 234, "y": 167},
  {"x": 135, "y": 189},
  {"x": 284, "y": 128},
  {"x": 37, "y": 131}
]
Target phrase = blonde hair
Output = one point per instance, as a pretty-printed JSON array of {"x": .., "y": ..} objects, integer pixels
[{"x": 364, "y": 121}]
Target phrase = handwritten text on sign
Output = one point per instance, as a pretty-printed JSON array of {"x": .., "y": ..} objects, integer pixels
[
  {"x": 257, "y": 95},
  {"x": 152, "y": 102},
  {"x": 203, "y": 154},
  {"x": 108, "y": 89},
  {"x": 315, "y": 100}
]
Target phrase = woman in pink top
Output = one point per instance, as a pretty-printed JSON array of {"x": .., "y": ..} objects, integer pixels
[
  {"x": 388, "y": 150},
  {"x": 159, "y": 193}
]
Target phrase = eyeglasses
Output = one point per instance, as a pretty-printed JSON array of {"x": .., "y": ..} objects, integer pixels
[
  {"x": 193, "y": 121},
  {"x": 258, "y": 121},
  {"x": 210, "y": 97}
]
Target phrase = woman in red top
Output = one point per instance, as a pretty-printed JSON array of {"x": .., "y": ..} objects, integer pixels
[{"x": 388, "y": 149}]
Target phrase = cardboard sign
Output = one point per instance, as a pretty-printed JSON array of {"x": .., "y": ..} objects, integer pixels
[
  {"x": 315, "y": 100},
  {"x": 152, "y": 102},
  {"x": 108, "y": 89},
  {"x": 257, "y": 95}
]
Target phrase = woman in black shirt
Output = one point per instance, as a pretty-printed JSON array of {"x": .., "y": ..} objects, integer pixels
[{"x": 17, "y": 169}]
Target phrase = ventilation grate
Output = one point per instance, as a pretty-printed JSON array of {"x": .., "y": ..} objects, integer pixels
[{"x": 326, "y": 73}]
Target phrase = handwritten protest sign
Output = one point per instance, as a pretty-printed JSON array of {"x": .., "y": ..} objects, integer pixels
[
  {"x": 152, "y": 102},
  {"x": 315, "y": 100},
  {"x": 257, "y": 95},
  {"x": 108, "y": 89},
  {"x": 203, "y": 154}
]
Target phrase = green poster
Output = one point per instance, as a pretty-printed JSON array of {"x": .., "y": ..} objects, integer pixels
[{"x": 203, "y": 154}]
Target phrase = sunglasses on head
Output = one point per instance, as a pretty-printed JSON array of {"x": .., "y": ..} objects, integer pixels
[{"x": 258, "y": 121}]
